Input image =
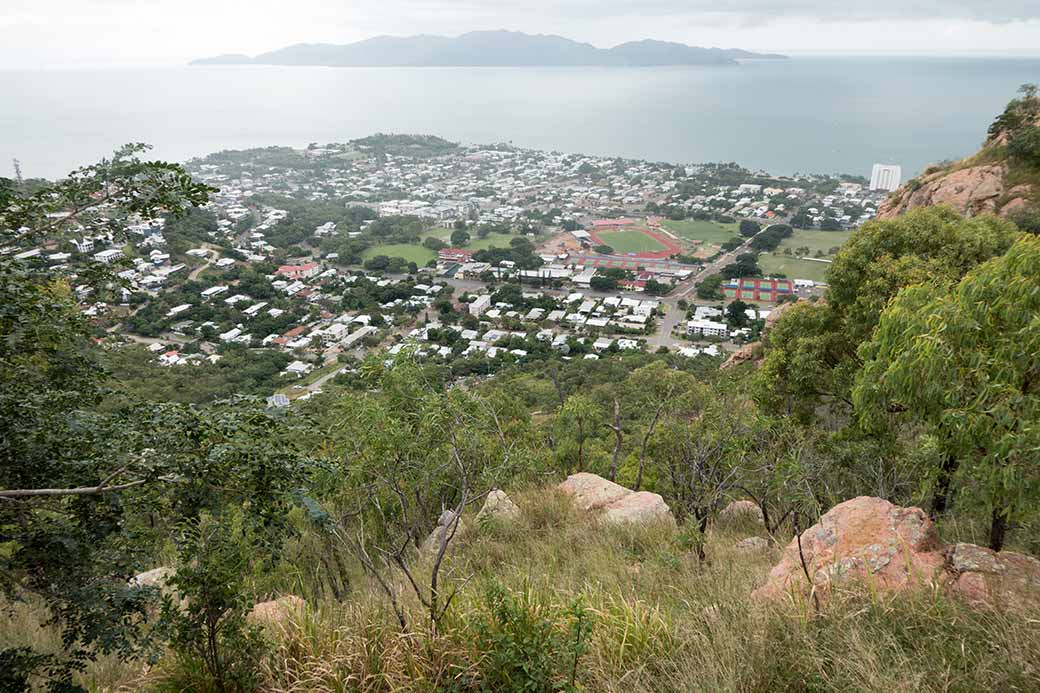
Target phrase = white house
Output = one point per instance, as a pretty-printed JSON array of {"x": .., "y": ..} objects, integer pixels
[{"x": 707, "y": 328}]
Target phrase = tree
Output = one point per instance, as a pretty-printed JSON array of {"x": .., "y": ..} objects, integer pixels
[
  {"x": 459, "y": 237},
  {"x": 710, "y": 287},
  {"x": 580, "y": 413},
  {"x": 85, "y": 492},
  {"x": 963, "y": 361},
  {"x": 749, "y": 228},
  {"x": 735, "y": 313},
  {"x": 810, "y": 353}
]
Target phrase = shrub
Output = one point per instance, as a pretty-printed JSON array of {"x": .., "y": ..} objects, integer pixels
[{"x": 530, "y": 644}]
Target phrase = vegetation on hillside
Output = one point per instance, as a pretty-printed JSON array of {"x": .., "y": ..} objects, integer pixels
[{"x": 915, "y": 380}]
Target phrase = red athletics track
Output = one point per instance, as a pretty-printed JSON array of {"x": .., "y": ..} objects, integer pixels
[{"x": 672, "y": 248}]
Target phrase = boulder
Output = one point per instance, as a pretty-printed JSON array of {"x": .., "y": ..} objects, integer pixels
[
  {"x": 156, "y": 577},
  {"x": 986, "y": 578},
  {"x": 445, "y": 524},
  {"x": 741, "y": 510},
  {"x": 637, "y": 507},
  {"x": 751, "y": 545},
  {"x": 498, "y": 507},
  {"x": 617, "y": 504},
  {"x": 592, "y": 492},
  {"x": 276, "y": 611},
  {"x": 865, "y": 539}
]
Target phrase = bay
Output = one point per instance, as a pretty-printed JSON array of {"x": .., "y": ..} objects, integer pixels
[{"x": 807, "y": 114}]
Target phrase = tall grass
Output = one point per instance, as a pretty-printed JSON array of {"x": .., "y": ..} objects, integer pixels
[{"x": 661, "y": 621}]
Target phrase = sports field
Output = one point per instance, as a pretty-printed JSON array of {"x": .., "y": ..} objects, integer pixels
[
  {"x": 792, "y": 267},
  {"x": 624, "y": 242},
  {"x": 703, "y": 231},
  {"x": 823, "y": 241},
  {"x": 418, "y": 254}
]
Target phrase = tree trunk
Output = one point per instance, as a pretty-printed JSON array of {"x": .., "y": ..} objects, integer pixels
[
  {"x": 998, "y": 529},
  {"x": 941, "y": 494},
  {"x": 617, "y": 441}
]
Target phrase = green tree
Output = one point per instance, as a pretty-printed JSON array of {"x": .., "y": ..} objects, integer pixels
[
  {"x": 810, "y": 353},
  {"x": 963, "y": 361},
  {"x": 580, "y": 414},
  {"x": 85, "y": 492},
  {"x": 459, "y": 237},
  {"x": 749, "y": 228}
]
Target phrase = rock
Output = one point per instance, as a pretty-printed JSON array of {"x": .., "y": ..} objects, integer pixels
[
  {"x": 748, "y": 352},
  {"x": 445, "y": 524},
  {"x": 986, "y": 578},
  {"x": 751, "y": 545},
  {"x": 637, "y": 507},
  {"x": 618, "y": 504},
  {"x": 592, "y": 492},
  {"x": 498, "y": 507},
  {"x": 775, "y": 314},
  {"x": 739, "y": 510},
  {"x": 867, "y": 539},
  {"x": 970, "y": 191},
  {"x": 156, "y": 577},
  {"x": 276, "y": 611},
  {"x": 1019, "y": 199}
]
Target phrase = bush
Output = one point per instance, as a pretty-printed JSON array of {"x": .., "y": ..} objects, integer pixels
[{"x": 530, "y": 644}]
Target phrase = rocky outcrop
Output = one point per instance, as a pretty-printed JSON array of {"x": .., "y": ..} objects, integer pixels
[
  {"x": 617, "y": 504},
  {"x": 741, "y": 510},
  {"x": 864, "y": 539},
  {"x": 748, "y": 353},
  {"x": 986, "y": 578},
  {"x": 276, "y": 611},
  {"x": 498, "y": 507},
  {"x": 970, "y": 191},
  {"x": 891, "y": 549}
]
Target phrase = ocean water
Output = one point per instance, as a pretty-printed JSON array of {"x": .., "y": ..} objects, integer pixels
[{"x": 818, "y": 114}]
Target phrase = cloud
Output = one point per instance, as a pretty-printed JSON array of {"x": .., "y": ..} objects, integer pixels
[{"x": 990, "y": 11}]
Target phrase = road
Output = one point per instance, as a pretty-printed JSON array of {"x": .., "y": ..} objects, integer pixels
[{"x": 716, "y": 265}]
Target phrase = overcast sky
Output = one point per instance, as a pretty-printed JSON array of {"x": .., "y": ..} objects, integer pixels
[{"x": 88, "y": 32}]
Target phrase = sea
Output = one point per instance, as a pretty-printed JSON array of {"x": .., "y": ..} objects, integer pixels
[{"x": 819, "y": 114}]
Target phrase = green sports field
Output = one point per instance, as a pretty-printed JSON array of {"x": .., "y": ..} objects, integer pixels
[
  {"x": 631, "y": 242},
  {"x": 792, "y": 267},
  {"x": 418, "y": 254},
  {"x": 704, "y": 231},
  {"x": 822, "y": 241}
]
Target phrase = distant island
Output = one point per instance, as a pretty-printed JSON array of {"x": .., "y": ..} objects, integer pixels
[{"x": 489, "y": 49}]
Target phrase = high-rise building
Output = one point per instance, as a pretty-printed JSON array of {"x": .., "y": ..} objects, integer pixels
[{"x": 885, "y": 177}]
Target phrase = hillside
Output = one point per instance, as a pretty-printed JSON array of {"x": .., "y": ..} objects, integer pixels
[
  {"x": 488, "y": 48},
  {"x": 1003, "y": 177}
]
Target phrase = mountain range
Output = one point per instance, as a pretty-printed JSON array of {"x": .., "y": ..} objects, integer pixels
[{"x": 488, "y": 49}]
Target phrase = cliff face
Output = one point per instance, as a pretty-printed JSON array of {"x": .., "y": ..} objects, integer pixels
[
  {"x": 973, "y": 190},
  {"x": 1001, "y": 178}
]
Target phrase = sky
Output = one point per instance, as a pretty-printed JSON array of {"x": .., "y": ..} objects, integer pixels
[{"x": 44, "y": 33}]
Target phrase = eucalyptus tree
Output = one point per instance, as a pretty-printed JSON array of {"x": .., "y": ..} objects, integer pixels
[
  {"x": 965, "y": 362},
  {"x": 86, "y": 494},
  {"x": 811, "y": 353}
]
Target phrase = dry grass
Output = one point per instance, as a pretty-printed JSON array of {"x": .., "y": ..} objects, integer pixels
[{"x": 662, "y": 621}]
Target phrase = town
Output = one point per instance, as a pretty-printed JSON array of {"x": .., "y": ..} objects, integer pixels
[{"x": 474, "y": 256}]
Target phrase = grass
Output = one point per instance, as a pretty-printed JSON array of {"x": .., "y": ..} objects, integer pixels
[
  {"x": 792, "y": 267},
  {"x": 704, "y": 231},
  {"x": 409, "y": 252},
  {"x": 815, "y": 240},
  {"x": 631, "y": 241},
  {"x": 420, "y": 254},
  {"x": 661, "y": 621}
]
